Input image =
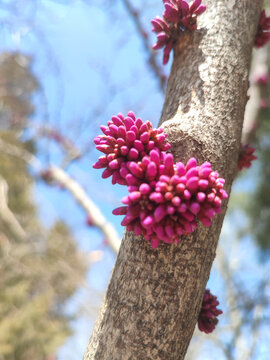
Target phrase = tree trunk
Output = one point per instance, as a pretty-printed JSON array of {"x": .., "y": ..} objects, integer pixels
[{"x": 154, "y": 296}]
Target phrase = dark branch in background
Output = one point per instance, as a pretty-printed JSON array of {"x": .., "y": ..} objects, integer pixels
[{"x": 134, "y": 14}]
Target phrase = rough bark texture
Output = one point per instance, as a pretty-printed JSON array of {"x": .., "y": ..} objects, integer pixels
[{"x": 154, "y": 296}]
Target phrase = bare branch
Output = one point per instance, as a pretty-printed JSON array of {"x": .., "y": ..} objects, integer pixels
[
  {"x": 20, "y": 153},
  {"x": 83, "y": 199},
  {"x": 72, "y": 152},
  {"x": 59, "y": 175},
  {"x": 146, "y": 43},
  {"x": 6, "y": 215},
  {"x": 251, "y": 119}
]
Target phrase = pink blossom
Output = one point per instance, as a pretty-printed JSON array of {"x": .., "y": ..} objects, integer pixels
[
  {"x": 208, "y": 316},
  {"x": 246, "y": 157},
  {"x": 263, "y": 35},
  {"x": 169, "y": 198},
  {"x": 264, "y": 104},
  {"x": 182, "y": 13},
  {"x": 262, "y": 79},
  {"x": 125, "y": 142},
  {"x": 89, "y": 221},
  {"x": 177, "y": 16}
]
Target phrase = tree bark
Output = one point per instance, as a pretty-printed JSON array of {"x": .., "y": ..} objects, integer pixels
[{"x": 154, "y": 296}]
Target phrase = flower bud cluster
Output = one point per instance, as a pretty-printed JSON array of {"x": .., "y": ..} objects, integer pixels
[
  {"x": 126, "y": 140},
  {"x": 166, "y": 199},
  {"x": 177, "y": 16},
  {"x": 263, "y": 35},
  {"x": 246, "y": 157},
  {"x": 208, "y": 315}
]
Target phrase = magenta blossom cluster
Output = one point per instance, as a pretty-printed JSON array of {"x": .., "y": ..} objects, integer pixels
[
  {"x": 177, "y": 16},
  {"x": 166, "y": 199},
  {"x": 263, "y": 35},
  {"x": 125, "y": 140},
  {"x": 246, "y": 157},
  {"x": 208, "y": 315}
]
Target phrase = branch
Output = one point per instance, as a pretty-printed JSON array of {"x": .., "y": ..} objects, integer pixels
[
  {"x": 236, "y": 321},
  {"x": 59, "y": 175},
  {"x": 251, "y": 119},
  {"x": 6, "y": 214},
  {"x": 20, "y": 153},
  {"x": 240, "y": 306},
  {"x": 75, "y": 189},
  {"x": 72, "y": 152},
  {"x": 146, "y": 43},
  {"x": 154, "y": 296}
]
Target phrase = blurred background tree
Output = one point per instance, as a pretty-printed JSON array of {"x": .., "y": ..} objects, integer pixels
[
  {"x": 40, "y": 268},
  {"x": 66, "y": 67}
]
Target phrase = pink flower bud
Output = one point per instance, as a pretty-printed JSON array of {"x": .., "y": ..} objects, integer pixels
[
  {"x": 156, "y": 197},
  {"x": 148, "y": 221},
  {"x": 192, "y": 162},
  {"x": 131, "y": 136},
  {"x": 203, "y": 184},
  {"x": 200, "y": 196},
  {"x": 207, "y": 320},
  {"x": 120, "y": 211},
  {"x": 195, "y": 208},
  {"x": 124, "y": 150},
  {"x": 151, "y": 171},
  {"x": 144, "y": 137},
  {"x": 192, "y": 183},
  {"x": 114, "y": 164},
  {"x": 205, "y": 221},
  {"x": 160, "y": 212},
  {"x": 246, "y": 157},
  {"x": 107, "y": 173},
  {"x": 135, "y": 196},
  {"x": 262, "y": 36},
  {"x": 145, "y": 189},
  {"x": 133, "y": 154}
]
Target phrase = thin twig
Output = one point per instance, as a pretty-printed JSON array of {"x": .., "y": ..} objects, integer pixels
[
  {"x": 72, "y": 152},
  {"x": 59, "y": 175},
  {"x": 146, "y": 42},
  {"x": 252, "y": 112},
  {"x": 83, "y": 199},
  {"x": 20, "y": 153},
  {"x": 6, "y": 214}
]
